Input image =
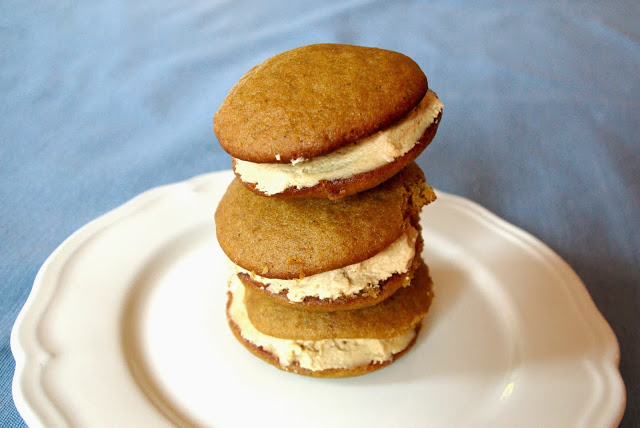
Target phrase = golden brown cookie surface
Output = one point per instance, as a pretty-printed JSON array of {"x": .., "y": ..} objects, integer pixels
[
  {"x": 287, "y": 238},
  {"x": 314, "y": 99}
]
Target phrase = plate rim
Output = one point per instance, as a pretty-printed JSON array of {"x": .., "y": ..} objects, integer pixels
[{"x": 31, "y": 356}]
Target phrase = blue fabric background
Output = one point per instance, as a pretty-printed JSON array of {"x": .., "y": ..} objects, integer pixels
[{"x": 102, "y": 100}]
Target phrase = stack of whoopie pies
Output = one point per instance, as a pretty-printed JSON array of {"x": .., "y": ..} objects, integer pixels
[{"x": 321, "y": 224}]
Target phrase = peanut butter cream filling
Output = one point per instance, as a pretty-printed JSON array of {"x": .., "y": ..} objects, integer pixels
[
  {"x": 365, "y": 155},
  {"x": 349, "y": 280}
]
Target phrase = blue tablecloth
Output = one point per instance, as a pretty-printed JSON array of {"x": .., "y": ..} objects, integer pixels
[{"x": 102, "y": 100}]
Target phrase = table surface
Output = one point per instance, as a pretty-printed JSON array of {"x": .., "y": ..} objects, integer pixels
[{"x": 102, "y": 100}]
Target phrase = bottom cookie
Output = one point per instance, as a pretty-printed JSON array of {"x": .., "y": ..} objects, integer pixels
[{"x": 332, "y": 357}]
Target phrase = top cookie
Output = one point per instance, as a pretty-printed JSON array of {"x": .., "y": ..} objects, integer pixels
[{"x": 312, "y": 100}]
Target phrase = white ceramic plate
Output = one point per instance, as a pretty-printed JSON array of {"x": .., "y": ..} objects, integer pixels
[{"x": 125, "y": 326}]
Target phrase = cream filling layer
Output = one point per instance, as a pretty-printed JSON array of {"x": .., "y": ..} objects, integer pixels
[
  {"x": 349, "y": 280},
  {"x": 365, "y": 155},
  {"x": 314, "y": 354}
]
